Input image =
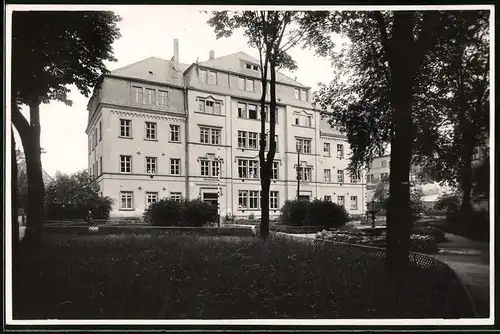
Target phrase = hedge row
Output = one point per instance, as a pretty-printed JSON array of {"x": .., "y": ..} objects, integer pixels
[
  {"x": 315, "y": 213},
  {"x": 169, "y": 212}
]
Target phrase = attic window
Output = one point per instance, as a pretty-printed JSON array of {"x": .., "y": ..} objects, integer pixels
[{"x": 251, "y": 67}]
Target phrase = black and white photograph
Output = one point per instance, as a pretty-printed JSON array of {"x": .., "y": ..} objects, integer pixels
[{"x": 249, "y": 165}]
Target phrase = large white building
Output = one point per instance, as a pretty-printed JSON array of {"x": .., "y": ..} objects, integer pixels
[{"x": 159, "y": 128}]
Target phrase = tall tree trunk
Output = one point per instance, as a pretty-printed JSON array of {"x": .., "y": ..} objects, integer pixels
[
  {"x": 398, "y": 210},
  {"x": 15, "y": 207},
  {"x": 35, "y": 180}
]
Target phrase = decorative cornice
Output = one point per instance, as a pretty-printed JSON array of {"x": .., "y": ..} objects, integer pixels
[{"x": 147, "y": 116}]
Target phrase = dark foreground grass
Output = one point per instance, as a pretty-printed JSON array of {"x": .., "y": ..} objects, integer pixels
[{"x": 176, "y": 276}]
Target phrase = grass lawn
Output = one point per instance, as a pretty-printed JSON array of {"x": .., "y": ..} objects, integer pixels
[{"x": 179, "y": 276}]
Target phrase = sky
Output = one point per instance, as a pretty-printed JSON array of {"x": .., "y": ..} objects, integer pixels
[{"x": 149, "y": 31}]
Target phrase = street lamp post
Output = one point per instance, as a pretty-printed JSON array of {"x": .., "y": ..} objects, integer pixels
[{"x": 298, "y": 173}]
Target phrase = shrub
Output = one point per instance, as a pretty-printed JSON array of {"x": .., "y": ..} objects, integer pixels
[
  {"x": 251, "y": 216},
  {"x": 293, "y": 213},
  {"x": 165, "y": 212},
  {"x": 448, "y": 202},
  {"x": 437, "y": 234},
  {"x": 196, "y": 213},
  {"x": 326, "y": 214}
]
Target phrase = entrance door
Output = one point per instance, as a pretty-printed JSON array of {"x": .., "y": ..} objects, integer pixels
[{"x": 212, "y": 199}]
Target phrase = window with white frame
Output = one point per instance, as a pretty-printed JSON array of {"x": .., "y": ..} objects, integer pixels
[
  {"x": 254, "y": 199},
  {"x": 275, "y": 170},
  {"x": 253, "y": 169},
  {"x": 125, "y": 164},
  {"x": 215, "y": 168},
  {"x": 253, "y": 141},
  {"x": 340, "y": 151},
  {"x": 243, "y": 199},
  {"x": 126, "y": 128},
  {"x": 204, "y": 135},
  {"x": 296, "y": 93},
  {"x": 212, "y": 78},
  {"x": 341, "y": 200},
  {"x": 215, "y": 135},
  {"x": 340, "y": 176},
  {"x": 242, "y": 110},
  {"x": 176, "y": 196},
  {"x": 138, "y": 94},
  {"x": 151, "y": 197},
  {"x": 175, "y": 133},
  {"x": 150, "y": 96},
  {"x": 305, "y": 173},
  {"x": 210, "y": 136},
  {"x": 327, "y": 175},
  {"x": 205, "y": 166},
  {"x": 241, "y": 83},
  {"x": 209, "y": 107},
  {"x": 303, "y": 95},
  {"x": 151, "y": 165},
  {"x": 203, "y": 76},
  {"x": 150, "y": 131},
  {"x": 162, "y": 98},
  {"x": 303, "y": 145},
  {"x": 328, "y": 198},
  {"x": 175, "y": 166},
  {"x": 126, "y": 200},
  {"x": 242, "y": 168},
  {"x": 249, "y": 85},
  {"x": 242, "y": 139},
  {"x": 252, "y": 111},
  {"x": 355, "y": 177},
  {"x": 273, "y": 200},
  {"x": 326, "y": 149},
  {"x": 354, "y": 202}
]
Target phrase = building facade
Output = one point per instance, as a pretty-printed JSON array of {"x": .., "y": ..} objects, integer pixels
[{"x": 161, "y": 128}]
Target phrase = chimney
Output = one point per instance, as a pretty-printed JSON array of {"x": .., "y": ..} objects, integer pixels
[
  {"x": 176, "y": 52},
  {"x": 211, "y": 55}
]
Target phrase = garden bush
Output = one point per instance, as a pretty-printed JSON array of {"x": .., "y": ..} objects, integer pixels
[
  {"x": 436, "y": 233},
  {"x": 196, "y": 213},
  {"x": 293, "y": 213},
  {"x": 165, "y": 212},
  {"x": 326, "y": 214}
]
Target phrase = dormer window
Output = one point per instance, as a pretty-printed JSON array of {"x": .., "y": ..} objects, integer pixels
[{"x": 251, "y": 67}]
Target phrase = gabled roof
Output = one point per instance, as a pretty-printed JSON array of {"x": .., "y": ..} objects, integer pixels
[
  {"x": 232, "y": 63},
  {"x": 155, "y": 70},
  {"x": 22, "y": 168}
]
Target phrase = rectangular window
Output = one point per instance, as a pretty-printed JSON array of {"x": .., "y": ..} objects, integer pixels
[
  {"x": 175, "y": 133},
  {"x": 151, "y": 197},
  {"x": 215, "y": 135},
  {"x": 203, "y": 76},
  {"x": 97, "y": 168},
  {"x": 175, "y": 166},
  {"x": 241, "y": 83},
  {"x": 215, "y": 168},
  {"x": 150, "y": 131},
  {"x": 253, "y": 141},
  {"x": 209, "y": 107},
  {"x": 176, "y": 197},
  {"x": 100, "y": 164},
  {"x": 296, "y": 93},
  {"x": 217, "y": 108},
  {"x": 242, "y": 110},
  {"x": 253, "y": 169},
  {"x": 354, "y": 202},
  {"x": 205, "y": 135},
  {"x": 252, "y": 111},
  {"x": 212, "y": 78},
  {"x": 243, "y": 199},
  {"x": 242, "y": 168},
  {"x": 340, "y": 151},
  {"x": 126, "y": 200},
  {"x": 303, "y": 145},
  {"x": 355, "y": 177},
  {"x": 242, "y": 139},
  {"x": 100, "y": 130},
  {"x": 309, "y": 121},
  {"x": 326, "y": 149},
  {"x": 150, "y": 96},
  {"x": 201, "y": 106},
  {"x": 328, "y": 177},
  {"x": 303, "y": 95},
  {"x": 328, "y": 198},
  {"x": 138, "y": 94},
  {"x": 125, "y": 164},
  {"x": 307, "y": 173},
  {"x": 275, "y": 170},
  {"x": 151, "y": 165},
  {"x": 340, "y": 200},
  {"x": 254, "y": 199},
  {"x": 249, "y": 85},
  {"x": 204, "y": 167},
  {"x": 162, "y": 98},
  {"x": 273, "y": 200},
  {"x": 340, "y": 176},
  {"x": 384, "y": 163},
  {"x": 126, "y": 128}
]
